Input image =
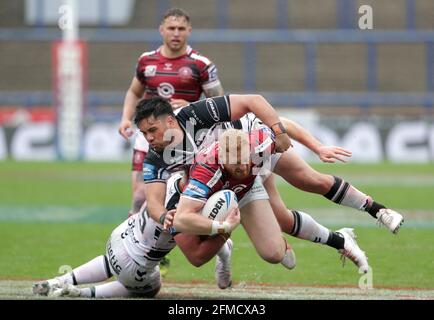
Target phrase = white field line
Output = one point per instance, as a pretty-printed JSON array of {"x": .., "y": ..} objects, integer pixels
[{"x": 21, "y": 289}]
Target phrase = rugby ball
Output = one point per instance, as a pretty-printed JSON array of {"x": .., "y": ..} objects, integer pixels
[{"x": 219, "y": 205}]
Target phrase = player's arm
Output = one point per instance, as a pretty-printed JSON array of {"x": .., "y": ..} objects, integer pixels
[
  {"x": 243, "y": 104},
  {"x": 189, "y": 220},
  {"x": 155, "y": 195},
  {"x": 200, "y": 249},
  {"x": 214, "y": 91},
  {"x": 325, "y": 153},
  {"x": 134, "y": 94}
]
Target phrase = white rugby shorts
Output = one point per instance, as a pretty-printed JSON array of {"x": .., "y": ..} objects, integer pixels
[
  {"x": 256, "y": 192},
  {"x": 134, "y": 277}
]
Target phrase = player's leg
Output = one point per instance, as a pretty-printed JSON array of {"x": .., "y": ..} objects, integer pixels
[
  {"x": 301, "y": 225},
  {"x": 291, "y": 167},
  {"x": 264, "y": 231},
  {"x": 96, "y": 270},
  {"x": 133, "y": 281},
  {"x": 297, "y": 223},
  {"x": 201, "y": 249}
]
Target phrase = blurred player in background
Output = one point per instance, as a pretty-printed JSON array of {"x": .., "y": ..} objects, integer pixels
[
  {"x": 133, "y": 253},
  {"x": 175, "y": 72}
]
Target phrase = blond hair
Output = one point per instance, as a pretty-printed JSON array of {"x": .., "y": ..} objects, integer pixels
[{"x": 234, "y": 147}]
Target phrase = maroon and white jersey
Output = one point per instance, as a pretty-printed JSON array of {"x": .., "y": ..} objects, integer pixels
[
  {"x": 184, "y": 77},
  {"x": 208, "y": 176}
]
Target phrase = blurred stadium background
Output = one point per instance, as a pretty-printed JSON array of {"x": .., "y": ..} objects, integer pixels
[{"x": 371, "y": 91}]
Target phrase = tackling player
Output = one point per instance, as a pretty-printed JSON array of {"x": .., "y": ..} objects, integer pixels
[
  {"x": 134, "y": 251},
  {"x": 175, "y": 140}
]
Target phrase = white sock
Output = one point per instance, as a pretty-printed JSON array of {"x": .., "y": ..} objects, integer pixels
[
  {"x": 95, "y": 270},
  {"x": 107, "y": 290},
  {"x": 224, "y": 251},
  {"x": 305, "y": 227},
  {"x": 66, "y": 278}
]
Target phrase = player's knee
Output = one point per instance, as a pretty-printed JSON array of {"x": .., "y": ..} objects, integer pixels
[
  {"x": 273, "y": 255},
  {"x": 197, "y": 262}
]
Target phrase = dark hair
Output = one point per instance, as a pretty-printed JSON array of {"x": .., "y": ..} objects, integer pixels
[
  {"x": 156, "y": 107},
  {"x": 176, "y": 12}
]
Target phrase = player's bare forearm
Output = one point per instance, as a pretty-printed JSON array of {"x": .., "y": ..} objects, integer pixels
[
  {"x": 214, "y": 91},
  {"x": 155, "y": 195},
  {"x": 200, "y": 249},
  {"x": 188, "y": 218},
  {"x": 132, "y": 97},
  {"x": 242, "y": 104},
  {"x": 300, "y": 134},
  {"x": 134, "y": 94},
  {"x": 325, "y": 153}
]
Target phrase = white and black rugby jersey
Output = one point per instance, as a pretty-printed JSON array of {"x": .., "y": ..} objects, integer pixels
[
  {"x": 196, "y": 119},
  {"x": 144, "y": 238}
]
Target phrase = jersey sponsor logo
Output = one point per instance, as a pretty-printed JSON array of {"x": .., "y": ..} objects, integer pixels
[
  {"x": 211, "y": 106},
  {"x": 215, "y": 178},
  {"x": 165, "y": 90},
  {"x": 196, "y": 189},
  {"x": 150, "y": 71},
  {"x": 185, "y": 72},
  {"x": 168, "y": 66},
  {"x": 149, "y": 172}
]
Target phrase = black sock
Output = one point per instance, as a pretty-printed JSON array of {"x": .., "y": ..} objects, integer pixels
[
  {"x": 74, "y": 281},
  {"x": 335, "y": 240},
  {"x": 92, "y": 292},
  {"x": 374, "y": 208}
]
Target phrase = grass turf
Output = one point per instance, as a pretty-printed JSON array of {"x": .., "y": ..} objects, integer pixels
[{"x": 35, "y": 248}]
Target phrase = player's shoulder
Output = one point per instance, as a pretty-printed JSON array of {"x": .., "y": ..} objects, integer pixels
[
  {"x": 148, "y": 55},
  {"x": 199, "y": 58}
]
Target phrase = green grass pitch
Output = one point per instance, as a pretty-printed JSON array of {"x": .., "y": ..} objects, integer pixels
[{"x": 54, "y": 214}]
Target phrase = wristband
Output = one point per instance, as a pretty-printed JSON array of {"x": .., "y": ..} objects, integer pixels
[
  {"x": 163, "y": 217},
  {"x": 278, "y": 128},
  {"x": 220, "y": 227}
]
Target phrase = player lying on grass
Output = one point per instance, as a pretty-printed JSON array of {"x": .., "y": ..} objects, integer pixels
[
  {"x": 174, "y": 140},
  {"x": 133, "y": 253},
  {"x": 236, "y": 162}
]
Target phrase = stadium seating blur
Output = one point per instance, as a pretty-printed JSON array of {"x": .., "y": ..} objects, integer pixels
[{"x": 298, "y": 53}]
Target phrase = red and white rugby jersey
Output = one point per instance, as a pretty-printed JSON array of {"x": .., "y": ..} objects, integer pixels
[
  {"x": 207, "y": 175},
  {"x": 184, "y": 77}
]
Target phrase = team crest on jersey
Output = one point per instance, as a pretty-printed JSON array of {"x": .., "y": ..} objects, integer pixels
[
  {"x": 165, "y": 90},
  {"x": 238, "y": 188},
  {"x": 185, "y": 72},
  {"x": 150, "y": 71},
  {"x": 212, "y": 109}
]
